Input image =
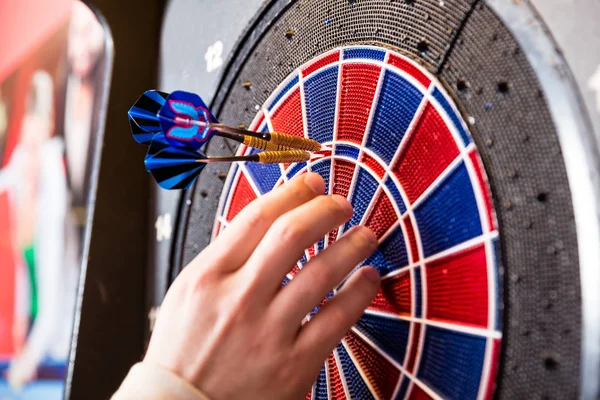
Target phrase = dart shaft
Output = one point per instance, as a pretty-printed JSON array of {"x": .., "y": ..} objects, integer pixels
[
  {"x": 278, "y": 141},
  {"x": 267, "y": 157},
  {"x": 277, "y": 157}
]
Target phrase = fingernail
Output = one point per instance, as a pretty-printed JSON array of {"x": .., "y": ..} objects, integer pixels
[
  {"x": 343, "y": 202},
  {"x": 371, "y": 274},
  {"x": 315, "y": 182}
]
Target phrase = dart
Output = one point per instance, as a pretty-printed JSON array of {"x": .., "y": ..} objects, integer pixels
[
  {"x": 186, "y": 121},
  {"x": 177, "y": 167}
]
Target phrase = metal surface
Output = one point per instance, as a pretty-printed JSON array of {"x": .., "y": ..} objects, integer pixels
[{"x": 580, "y": 152}]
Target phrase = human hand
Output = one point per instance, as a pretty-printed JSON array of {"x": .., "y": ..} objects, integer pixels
[{"x": 226, "y": 325}]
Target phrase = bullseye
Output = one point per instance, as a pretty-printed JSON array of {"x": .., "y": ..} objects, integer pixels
[{"x": 402, "y": 154}]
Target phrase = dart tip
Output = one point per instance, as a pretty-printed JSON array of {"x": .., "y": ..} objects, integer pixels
[
  {"x": 316, "y": 156},
  {"x": 326, "y": 147}
]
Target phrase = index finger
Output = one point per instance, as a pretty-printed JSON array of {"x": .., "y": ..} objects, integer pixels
[{"x": 235, "y": 244}]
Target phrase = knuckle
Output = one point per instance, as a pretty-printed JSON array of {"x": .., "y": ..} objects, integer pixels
[
  {"x": 287, "y": 230},
  {"x": 338, "y": 317},
  {"x": 336, "y": 207},
  {"x": 255, "y": 215},
  {"x": 286, "y": 369},
  {"x": 202, "y": 280},
  {"x": 321, "y": 277}
]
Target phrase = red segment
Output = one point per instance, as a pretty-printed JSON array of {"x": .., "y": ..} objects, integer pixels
[
  {"x": 342, "y": 177},
  {"x": 321, "y": 62},
  {"x": 243, "y": 194},
  {"x": 382, "y": 216},
  {"x": 309, "y": 395},
  {"x": 332, "y": 237},
  {"x": 288, "y": 116},
  {"x": 244, "y": 150},
  {"x": 336, "y": 388},
  {"x": 394, "y": 296},
  {"x": 414, "y": 347},
  {"x": 295, "y": 270},
  {"x": 359, "y": 83},
  {"x": 418, "y": 394},
  {"x": 428, "y": 152},
  {"x": 410, "y": 69},
  {"x": 494, "y": 361},
  {"x": 258, "y": 121},
  {"x": 412, "y": 239},
  {"x": 373, "y": 164},
  {"x": 323, "y": 153},
  {"x": 382, "y": 374},
  {"x": 311, "y": 251},
  {"x": 485, "y": 189},
  {"x": 457, "y": 288}
]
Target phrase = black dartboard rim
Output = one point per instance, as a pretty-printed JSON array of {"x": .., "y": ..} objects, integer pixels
[{"x": 556, "y": 364}]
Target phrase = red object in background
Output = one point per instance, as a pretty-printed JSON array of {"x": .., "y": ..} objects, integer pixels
[
  {"x": 7, "y": 282},
  {"x": 25, "y": 26}
]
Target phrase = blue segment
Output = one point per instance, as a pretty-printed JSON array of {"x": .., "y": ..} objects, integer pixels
[
  {"x": 321, "y": 245},
  {"x": 391, "y": 254},
  {"x": 499, "y": 297},
  {"x": 466, "y": 138},
  {"x": 321, "y": 386},
  {"x": 389, "y": 334},
  {"x": 265, "y": 175},
  {"x": 286, "y": 280},
  {"x": 392, "y": 115},
  {"x": 364, "y": 190},
  {"x": 316, "y": 308},
  {"x": 303, "y": 259},
  {"x": 418, "y": 292},
  {"x": 323, "y": 168},
  {"x": 346, "y": 151},
  {"x": 451, "y": 363},
  {"x": 389, "y": 183},
  {"x": 363, "y": 53},
  {"x": 403, "y": 388},
  {"x": 320, "y": 98},
  {"x": 283, "y": 91},
  {"x": 449, "y": 215},
  {"x": 356, "y": 386},
  {"x": 295, "y": 169}
]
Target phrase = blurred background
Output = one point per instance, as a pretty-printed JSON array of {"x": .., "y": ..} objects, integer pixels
[{"x": 50, "y": 77}]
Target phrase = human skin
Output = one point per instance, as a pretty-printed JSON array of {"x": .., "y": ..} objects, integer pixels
[{"x": 230, "y": 329}]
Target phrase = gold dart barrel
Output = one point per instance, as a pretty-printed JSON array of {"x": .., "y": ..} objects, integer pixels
[
  {"x": 276, "y": 157},
  {"x": 263, "y": 144},
  {"x": 295, "y": 142}
]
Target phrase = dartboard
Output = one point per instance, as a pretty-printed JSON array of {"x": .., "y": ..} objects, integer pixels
[{"x": 402, "y": 155}]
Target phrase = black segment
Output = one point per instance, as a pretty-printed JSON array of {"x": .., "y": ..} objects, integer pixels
[{"x": 517, "y": 141}]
